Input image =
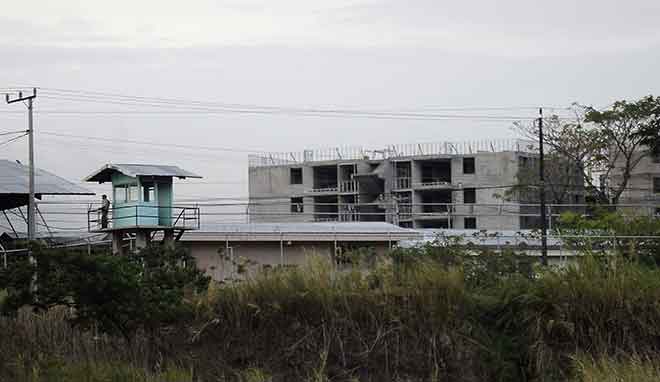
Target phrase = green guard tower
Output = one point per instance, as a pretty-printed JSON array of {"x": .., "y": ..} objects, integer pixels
[{"x": 141, "y": 205}]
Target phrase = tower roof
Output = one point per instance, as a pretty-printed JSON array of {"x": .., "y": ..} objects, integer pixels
[{"x": 104, "y": 174}]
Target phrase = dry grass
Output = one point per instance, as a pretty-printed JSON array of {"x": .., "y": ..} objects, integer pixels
[{"x": 629, "y": 369}]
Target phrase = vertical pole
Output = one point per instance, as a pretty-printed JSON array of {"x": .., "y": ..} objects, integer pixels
[
  {"x": 544, "y": 223},
  {"x": 282, "y": 249},
  {"x": 31, "y": 201}
]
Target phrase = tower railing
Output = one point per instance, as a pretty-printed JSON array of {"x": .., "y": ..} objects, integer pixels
[{"x": 140, "y": 216}]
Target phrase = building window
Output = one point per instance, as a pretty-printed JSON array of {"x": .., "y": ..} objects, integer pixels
[
  {"x": 657, "y": 212},
  {"x": 656, "y": 185},
  {"x": 468, "y": 165},
  {"x": 470, "y": 223},
  {"x": 469, "y": 196},
  {"x": 296, "y": 176},
  {"x": 297, "y": 206}
]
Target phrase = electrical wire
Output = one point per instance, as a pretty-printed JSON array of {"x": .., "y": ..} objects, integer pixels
[
  {"x": 12, "y": 139},
  {"x": 82, "y": 94},
  {"x": 137, "y": 142},
  {"x": 189, "y": 106},
  {"x": 14, "y": 132}
]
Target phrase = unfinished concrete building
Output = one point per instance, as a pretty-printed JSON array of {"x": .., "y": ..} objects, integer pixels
[
  {"x": 642, "y": 193},
  {"x": 439, "y": 185}
]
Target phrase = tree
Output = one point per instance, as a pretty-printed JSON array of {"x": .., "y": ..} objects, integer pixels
[
  {"x": 605, "y": 146},
  {"x": 628, "y": 128},
  {"x": 563, "y": 181}
]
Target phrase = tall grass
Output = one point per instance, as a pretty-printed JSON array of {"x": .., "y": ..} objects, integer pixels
[
  {"x": 46, "y": 347},
  {"x": 418, "y": 318},
  {"x": 628, "y": 369},
  {"x": 312, "y": 321},
  {"x": 604, "y": 307}
]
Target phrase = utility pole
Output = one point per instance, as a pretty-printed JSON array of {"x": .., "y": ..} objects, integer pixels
[
  {"x": 32, "y": 206},
  {"x": 544, "y": 223}
]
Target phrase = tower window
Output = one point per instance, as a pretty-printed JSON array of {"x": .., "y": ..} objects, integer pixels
[{"x": 469, "y": 196}]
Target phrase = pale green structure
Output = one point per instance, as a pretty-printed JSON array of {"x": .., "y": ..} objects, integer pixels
[{"x": 142, "y": 202}]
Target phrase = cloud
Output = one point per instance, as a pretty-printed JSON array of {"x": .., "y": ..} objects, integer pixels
[{"x": 501, "y": 28}]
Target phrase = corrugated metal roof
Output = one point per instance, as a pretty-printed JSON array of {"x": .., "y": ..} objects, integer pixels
[
  {"x": 376, "y": 231},
  {"x": 14, "y": 179},
  {"x": 326, "y": 227},
  {"x": 133, "y": 170}
]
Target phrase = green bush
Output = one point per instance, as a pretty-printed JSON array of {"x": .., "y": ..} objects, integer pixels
[{"x": 116, "y": 294}]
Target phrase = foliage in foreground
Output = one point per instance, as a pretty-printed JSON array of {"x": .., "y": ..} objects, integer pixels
[
  {"x": 115, "y": 294},
  {"x": 429, "y": 313}
]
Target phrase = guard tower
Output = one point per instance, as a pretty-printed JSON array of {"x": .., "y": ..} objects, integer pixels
[{"x": 141, "y": 205}]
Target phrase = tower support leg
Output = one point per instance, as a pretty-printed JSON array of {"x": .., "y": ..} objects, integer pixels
[
  {"x": 142, "y": 239},
  {"x": 118, "y": 243},
  {"x": 168, "y": 237}
]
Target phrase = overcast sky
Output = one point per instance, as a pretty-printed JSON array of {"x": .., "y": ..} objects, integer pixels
[{"x": 375, "y": 54}]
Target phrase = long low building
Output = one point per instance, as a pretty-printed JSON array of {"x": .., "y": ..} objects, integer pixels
[{"x": 225, "y": 249}]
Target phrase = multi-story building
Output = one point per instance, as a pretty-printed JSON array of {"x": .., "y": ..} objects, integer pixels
[{"x": 445, "y": 185}]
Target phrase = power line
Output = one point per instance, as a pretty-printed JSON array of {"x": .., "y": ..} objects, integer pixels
[
  {"x": 12, "y": 139},
  {"x": 137, "y": 142},
  {"x": 83, "y": 94},
  {"x": 331, "y": 114},
  {"x": 206, "y": 107},
  {"x": 13, "y": 132}
]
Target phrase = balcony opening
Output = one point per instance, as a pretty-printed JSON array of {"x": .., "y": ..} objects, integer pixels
[
  {"x": 346, "y": 172},
  {"x": 348, "y": 210},
  {"x": 469, "y": 196},
  {"x": 436, "y": 202},
  {"x": 436, "y": 172},
  {"x": 326, "y": 208},
  {"x": 468, "y": 166},
  {"x": 297, "y": 206},
  {"x": 325, "y": 177},
  {"x": 296, "y": 176},
  {"x": 402, "y": 175},
  {"x": 369, "y": 209},
  {"x": 404, "y": 203},
  {"x": 434, "y": 224},
  {"x": 470, "y": 223}
]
